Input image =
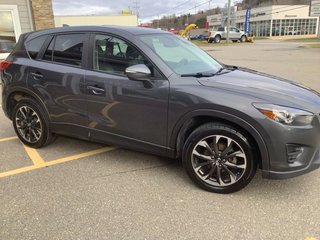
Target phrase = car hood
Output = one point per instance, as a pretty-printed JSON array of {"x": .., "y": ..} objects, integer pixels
[{"x": 266, "y": 88}]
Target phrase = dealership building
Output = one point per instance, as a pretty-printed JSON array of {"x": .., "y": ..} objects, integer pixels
[{"x": 273, "y": 21}]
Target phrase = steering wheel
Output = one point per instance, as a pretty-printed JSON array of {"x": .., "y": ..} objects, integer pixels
[{"x": 120, "y": 54}]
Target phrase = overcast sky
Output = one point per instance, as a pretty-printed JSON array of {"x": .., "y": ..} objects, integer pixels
[{"x": 149, "y": 9}]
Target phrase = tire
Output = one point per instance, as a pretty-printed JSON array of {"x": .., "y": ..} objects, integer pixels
[
  {"x": 217, "y": 39},
  {"x": 231, "y": 158},
  {"x": 243, "y": 38},
  {"x": 210, "y": 40},
  {"x": 31, "y": 124},
  {"x": 235, "y": 41}
]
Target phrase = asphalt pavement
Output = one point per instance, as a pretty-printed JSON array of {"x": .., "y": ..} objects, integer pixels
[{"x": 75, "y": 189}]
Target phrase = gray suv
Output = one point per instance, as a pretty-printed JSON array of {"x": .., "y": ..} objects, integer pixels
[{"x": 151, "y": 91}]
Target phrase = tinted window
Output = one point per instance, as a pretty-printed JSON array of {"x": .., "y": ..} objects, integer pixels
[
  {"x": 67, "y": 49},
  {"x": 33, "y": 46},
  {"x": 114, "y": 55},
  {"x": 221, "y": 29}
]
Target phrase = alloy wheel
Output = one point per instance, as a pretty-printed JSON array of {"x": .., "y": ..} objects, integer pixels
[
  {"x": 28, "y": 124},
  {"x": 219, "y": 160}
]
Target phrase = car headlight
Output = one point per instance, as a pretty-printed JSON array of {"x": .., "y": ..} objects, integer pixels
[{"x": 285, "y": 115}]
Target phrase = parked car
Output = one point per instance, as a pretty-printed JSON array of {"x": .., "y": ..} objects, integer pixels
[
  {"x": 196, "y": 37},
  {"x": 6, "y": 46},
  {"x": 221, "y": 34},
  {"x": 151, "y": 91}
]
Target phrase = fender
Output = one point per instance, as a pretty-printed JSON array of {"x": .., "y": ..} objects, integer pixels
[
  {"x": 32, "y": 94},
  {"x": 252, "y": 128}
]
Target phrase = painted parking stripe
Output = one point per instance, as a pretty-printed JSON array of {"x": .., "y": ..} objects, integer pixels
[
  {"x": 35, "y": 156},
  {"x": 8, "y": 139},
  {"x": 37, "y": 160}
]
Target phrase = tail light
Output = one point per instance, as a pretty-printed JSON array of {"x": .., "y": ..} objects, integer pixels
[{"x": 4, "y": 65}]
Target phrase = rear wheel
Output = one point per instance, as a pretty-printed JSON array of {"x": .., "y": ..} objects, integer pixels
[
  {"x": 218, "y": 158},
  {"x": 210, "y": 40},
  {"x": 30, "y": 124},
  {"x": 243, "y": 38}
]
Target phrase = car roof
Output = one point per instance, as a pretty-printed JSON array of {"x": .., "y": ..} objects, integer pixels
[{"x": 113, "y": 29}]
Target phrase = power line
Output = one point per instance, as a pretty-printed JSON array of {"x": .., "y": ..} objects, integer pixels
[
  {"x": 181, "y": 11},
  {"x": 175, "y": 7}
]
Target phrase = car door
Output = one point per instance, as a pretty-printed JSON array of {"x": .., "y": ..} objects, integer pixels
[
  {"x": 233, "y": 33},
  {"x": 57, "y": 77},
  {"x": 122, "y": 110}
]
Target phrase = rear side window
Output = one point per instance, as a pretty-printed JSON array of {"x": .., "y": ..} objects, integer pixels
[
  {"x": 221, "y": 29},
  {"x": 66, "y": 48},
  {"x": 33, "y": 46}
]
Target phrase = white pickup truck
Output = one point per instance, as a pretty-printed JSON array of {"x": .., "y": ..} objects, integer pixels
[{"x": 221, "y": 34}]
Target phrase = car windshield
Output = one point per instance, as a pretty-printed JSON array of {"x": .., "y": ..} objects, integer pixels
[{"x": 182, "y": 56}]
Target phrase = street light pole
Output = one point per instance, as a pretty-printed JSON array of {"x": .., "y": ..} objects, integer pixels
[{"x": 228, "y": 20}]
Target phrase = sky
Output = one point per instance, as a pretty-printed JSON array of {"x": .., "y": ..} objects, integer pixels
[{"x": 148, "y": 9}]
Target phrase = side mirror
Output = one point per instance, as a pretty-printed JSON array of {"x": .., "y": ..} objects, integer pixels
[{"x": 139, "y": 72}]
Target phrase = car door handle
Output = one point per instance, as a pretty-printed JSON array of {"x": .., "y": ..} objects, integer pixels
[
  {"x": 96, "y": 90},
  {"x": 36, "y": 75}
]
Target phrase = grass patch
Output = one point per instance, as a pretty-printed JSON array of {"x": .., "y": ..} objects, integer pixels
[
  {"x": 303, "y": 40},
  {"x": 312, "y": 45},
  {"x": 223, "y": 43}
]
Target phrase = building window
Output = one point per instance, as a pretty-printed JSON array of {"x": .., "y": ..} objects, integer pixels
[{"x": 288, "y": 27}]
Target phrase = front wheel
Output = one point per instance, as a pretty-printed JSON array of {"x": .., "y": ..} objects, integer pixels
[
  {"x": 30, "y": 124},
  {"x": 219, "y": 158}
]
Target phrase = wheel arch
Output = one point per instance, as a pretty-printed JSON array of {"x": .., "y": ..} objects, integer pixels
[
  {"x": 17, "y": 94},
  {"x": 187, "y": 124}
]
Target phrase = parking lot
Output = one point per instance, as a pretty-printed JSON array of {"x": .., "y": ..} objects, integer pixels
[{"x": 75, "y": 189}]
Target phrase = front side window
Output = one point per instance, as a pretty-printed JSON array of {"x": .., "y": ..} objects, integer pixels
[
  {"x": 114, "y": 55},
  {"x": 180, "y": 55},
  {"x": 66, "y": 49}
]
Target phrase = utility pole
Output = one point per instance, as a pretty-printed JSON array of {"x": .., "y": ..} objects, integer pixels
[
  {"x": 136, "y": 7},
  {"x": 228, "y": 20}
]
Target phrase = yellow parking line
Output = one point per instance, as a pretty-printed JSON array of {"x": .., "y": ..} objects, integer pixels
[
  {"x": 19, "y": 170},
  {"x": 8, "y": 139},
  {"x": 81, "y": 155},
  {"x": 36, "y": 158}
]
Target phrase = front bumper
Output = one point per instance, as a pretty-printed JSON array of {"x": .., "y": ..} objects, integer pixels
[
  {"x": 306, "y": 139},
  {"x": 313, "y": 165}
]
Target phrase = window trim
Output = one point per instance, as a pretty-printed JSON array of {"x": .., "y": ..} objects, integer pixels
[
  {"x": 90, "y": 56},
  {"x": 44, "y": 47},
  {"x": 53, "y": 37},
  {"x": 41, "y": 48}
]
